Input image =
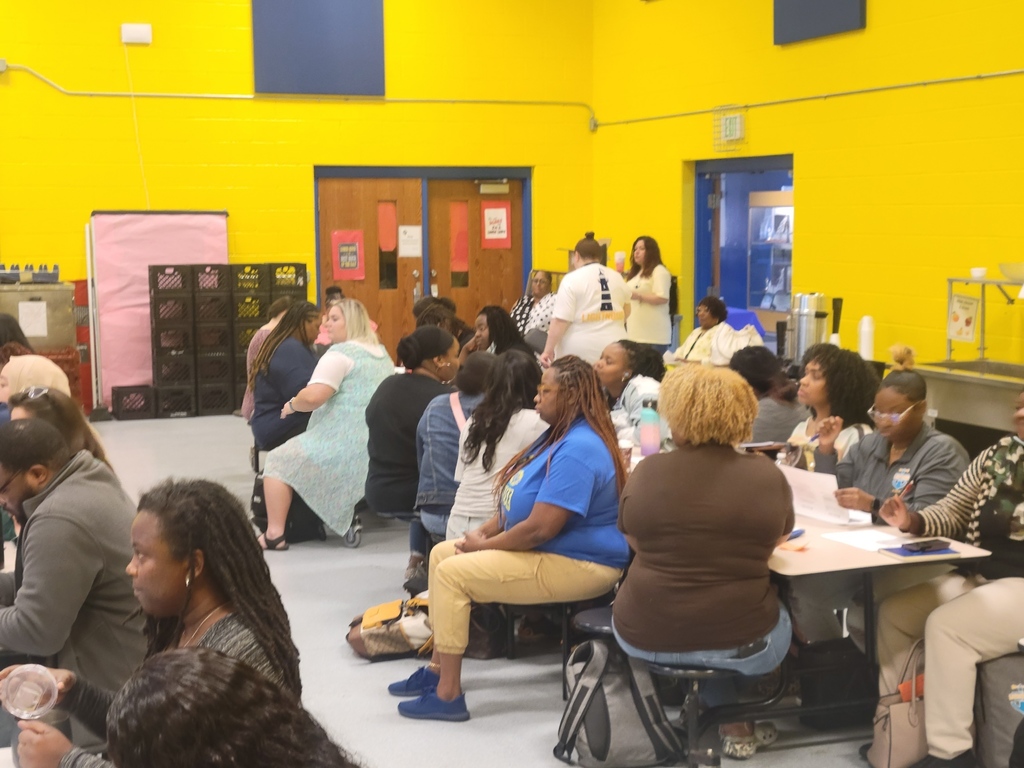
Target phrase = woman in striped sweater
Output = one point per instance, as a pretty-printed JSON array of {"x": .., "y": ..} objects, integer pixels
[{"x": 968, "y": 616}]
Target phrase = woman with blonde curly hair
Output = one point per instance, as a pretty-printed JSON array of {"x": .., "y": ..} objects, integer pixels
[{"x": 703, "y": 521}]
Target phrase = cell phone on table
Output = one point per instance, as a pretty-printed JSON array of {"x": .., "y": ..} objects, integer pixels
[{"x": 926, "y": 545}]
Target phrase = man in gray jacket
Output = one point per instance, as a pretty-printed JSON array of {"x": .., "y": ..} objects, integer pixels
[{"x": 69, "y": 600}]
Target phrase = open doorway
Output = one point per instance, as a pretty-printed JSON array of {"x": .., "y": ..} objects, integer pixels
[{"x": 743, "y": 249}]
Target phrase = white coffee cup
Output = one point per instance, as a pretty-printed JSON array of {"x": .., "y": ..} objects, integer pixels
[{"x": 978, "y": 273}]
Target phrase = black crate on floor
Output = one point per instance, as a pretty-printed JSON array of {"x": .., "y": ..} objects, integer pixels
[
  {"x": 170, "y": 280},
  {"x": 285, "y": 276},
  {"x": 250, "y": 278},
  {"x": 213, "y": 368},
  {"x": 216, "y": 399},
  {"x": 243, "y": 333},
  {"x": 174, "y": 370},
  {"x": 241, "y": 369},
  {"x": 171, "y": 310},
  {"x": 211, "y": 278},
  {"x": 175, "y": 402},
  {"x": 133, "y": 403},
  {"x": 214, "y": 338},
  {"x": 173, "y": 340},
  {"x": 213, "y": 308},
  {"x": 250, "y": 307}
]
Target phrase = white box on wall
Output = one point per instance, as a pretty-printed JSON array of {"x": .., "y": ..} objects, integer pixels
[{"x": 141, "y": 34}]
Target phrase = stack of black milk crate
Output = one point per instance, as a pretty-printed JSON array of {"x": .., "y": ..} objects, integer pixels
[{"x": 203, "y": 317}]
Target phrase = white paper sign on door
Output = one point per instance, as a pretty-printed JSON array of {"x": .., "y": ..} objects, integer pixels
[{"x": 410, "y": 241}]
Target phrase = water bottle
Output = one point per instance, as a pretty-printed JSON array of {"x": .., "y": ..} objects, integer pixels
[{"x": 650, "y": 427}]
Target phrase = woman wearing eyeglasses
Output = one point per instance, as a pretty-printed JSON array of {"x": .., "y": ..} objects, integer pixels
[
  {"x": 967, "y": 616},
  {"x": 554, "y": 537},
  {"x": 903, "y": 457}
]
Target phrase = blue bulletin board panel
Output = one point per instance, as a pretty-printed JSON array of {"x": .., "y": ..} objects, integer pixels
[
  {"x": 321, "y": 47},
  {"x": 797, "y": 20}
]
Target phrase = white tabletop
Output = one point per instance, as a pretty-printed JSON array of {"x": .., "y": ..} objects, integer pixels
[{"x": 825, "y": 555}]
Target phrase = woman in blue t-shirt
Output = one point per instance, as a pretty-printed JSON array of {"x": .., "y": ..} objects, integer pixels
[{"x": 554, "y": 537}]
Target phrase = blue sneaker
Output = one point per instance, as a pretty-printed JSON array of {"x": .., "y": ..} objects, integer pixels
[
  {"x": 430, "y": 707},
  {"x": 416, "y": 684}
]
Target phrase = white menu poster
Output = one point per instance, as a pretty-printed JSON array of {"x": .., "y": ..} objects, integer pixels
[{"x": 963, "y": 317}]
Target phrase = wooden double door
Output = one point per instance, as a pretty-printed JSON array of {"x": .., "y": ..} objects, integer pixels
[{"x": 451, "y": 261}]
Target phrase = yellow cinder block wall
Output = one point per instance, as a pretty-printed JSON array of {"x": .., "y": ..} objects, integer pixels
[
  {"x": 62, "y": 157},
  {"x": 895, "y": 191}
]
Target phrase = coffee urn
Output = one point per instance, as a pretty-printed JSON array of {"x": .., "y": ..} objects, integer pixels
[{"x": 807, "y": 325}]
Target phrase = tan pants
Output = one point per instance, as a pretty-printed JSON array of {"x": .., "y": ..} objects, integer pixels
[
  {"x": 492, "y": 576},
  {"x": 964, "y": 621}
]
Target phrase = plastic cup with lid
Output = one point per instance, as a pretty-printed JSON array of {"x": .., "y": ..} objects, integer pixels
[{"x": 29, "y": 692}]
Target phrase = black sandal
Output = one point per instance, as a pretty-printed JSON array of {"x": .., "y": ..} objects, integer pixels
[{"x": 272, "y": 544}]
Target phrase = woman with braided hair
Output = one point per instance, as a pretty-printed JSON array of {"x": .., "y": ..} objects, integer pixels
[
  {"x": 553, "y": 539},
  {"x": 202, "y": 582}
]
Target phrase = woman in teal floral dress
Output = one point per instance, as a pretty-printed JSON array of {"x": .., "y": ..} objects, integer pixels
[{"x": 326, "y": 465}]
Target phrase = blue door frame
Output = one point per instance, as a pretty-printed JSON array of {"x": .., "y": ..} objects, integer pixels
[
  {"x": 425, "y": 173},
  {"x": 703, "y": 212}
]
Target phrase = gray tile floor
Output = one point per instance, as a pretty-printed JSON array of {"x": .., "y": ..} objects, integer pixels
[{"x": 515, "y": 705}]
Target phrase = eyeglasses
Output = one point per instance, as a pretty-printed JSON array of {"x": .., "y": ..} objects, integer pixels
[
  {"x": 891, "y": 418},
  {"x": 34, "y": 393},
  {"x": 5, "y": 486},
  {"x": 544, "y": 389}
]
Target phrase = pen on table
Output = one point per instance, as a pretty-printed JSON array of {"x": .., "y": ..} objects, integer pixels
[{"x": 796, "y": 534}]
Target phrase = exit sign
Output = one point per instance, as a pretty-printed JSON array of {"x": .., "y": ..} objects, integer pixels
[{"x": 732, "y": 127}]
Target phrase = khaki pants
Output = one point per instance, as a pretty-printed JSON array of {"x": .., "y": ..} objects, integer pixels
[
  {"x": 964, "y": 621},
  {"x": 493, "y": 576}
]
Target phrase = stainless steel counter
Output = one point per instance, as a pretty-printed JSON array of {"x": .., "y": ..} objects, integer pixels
[{"x": 979, "y": 392}]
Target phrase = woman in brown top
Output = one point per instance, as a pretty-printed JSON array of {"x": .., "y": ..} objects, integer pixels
[{"x": 703, "y": 521}]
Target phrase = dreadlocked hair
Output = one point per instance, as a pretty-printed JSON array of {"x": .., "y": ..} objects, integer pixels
[
  {"x": 643, "y": 359},
  {"x": 292, "y": 324},
  {"x": 511, "y": 385},
  {"x": 501, "y": 328},
  {"x": 579, "y": 395},
  {"x": 850, "y": 381},
  {"x": 202, "y": 515}
]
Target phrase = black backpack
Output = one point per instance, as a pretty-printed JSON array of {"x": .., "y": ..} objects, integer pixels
[
  {"x": 613, "y": 718},
  {"x": 303, "y": 523}
]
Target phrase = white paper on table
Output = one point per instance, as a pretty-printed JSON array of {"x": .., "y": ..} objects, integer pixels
[
  {"x": 871, "y": 540},
  {"x": 814, "y": 495},
  {"x": 32, "y": 318}
]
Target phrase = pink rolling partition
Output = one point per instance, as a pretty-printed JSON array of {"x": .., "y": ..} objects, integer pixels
[{"x": 124, "y": 245}]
